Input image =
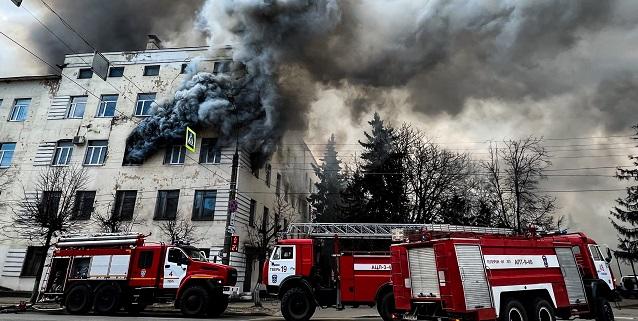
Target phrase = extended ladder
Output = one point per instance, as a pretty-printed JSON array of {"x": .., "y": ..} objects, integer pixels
[{"x": 377, "y": 231}]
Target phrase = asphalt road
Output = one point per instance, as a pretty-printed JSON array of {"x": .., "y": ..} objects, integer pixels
[{"x": 361, "y": 314}]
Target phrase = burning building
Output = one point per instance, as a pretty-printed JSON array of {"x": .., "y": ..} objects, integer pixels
[{"x": 128, "y": 132}]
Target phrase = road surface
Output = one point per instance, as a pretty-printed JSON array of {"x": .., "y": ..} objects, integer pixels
[{"x": 360, "y": 314}]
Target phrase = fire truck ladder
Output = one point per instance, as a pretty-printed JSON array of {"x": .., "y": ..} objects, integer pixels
[
  {"x": 98, "y": 239},
  {"x": 377, "y": 231}
]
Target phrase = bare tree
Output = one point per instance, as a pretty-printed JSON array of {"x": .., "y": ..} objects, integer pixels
[
  {"x": 179, "y": 230},
  {"x": 433, "y": 175},
  {"x": 5, "y": 181},
  {"x": 109, "y": 222},
  {"x": 47, "y": 210},
  {"x": 262, "y": 238},
  {"x": 515, "y": 171}
]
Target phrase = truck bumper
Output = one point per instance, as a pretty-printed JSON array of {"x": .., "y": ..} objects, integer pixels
[{"x": 231, "y": 291}]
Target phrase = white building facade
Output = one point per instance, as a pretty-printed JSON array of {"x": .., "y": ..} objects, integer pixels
[{"x": 80, "y": 119}]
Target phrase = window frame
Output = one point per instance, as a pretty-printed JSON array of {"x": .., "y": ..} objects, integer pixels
[
  {"x": 163, "y": 197},
  {"x": 198, "y": 204},
  {"x": 121, "y": 197},
  {"x": 103, "y": 152},
  {"x": 79, "y": 207},
  {"x": 33, "y": 259},
  {"x": 72, "y": 109},
  {"x": 209, "y": 149},
  {"x": 170, "y": 153},
  {"x": 268, "y": 169},
  {"x": 104, "y": 104},
  {"x": 252, "y": 210},
  {"x": 85, "y": 70},
  {"x": 149, "y": 68},
  {"x": 110, "y": 75},
  {"x": 4, "y": 152},
  {"x": 55, "y": 161},
  {"x": 20, "y": 109},
  {"x": 141, "y": 104}
]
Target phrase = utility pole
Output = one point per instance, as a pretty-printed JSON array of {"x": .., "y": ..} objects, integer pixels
[{"x": 232, "y": 194}]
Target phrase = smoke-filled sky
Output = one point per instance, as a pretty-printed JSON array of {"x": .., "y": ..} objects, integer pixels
[{"x": 464, "y": 71}]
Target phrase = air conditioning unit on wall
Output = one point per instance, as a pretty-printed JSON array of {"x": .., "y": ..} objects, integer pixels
[{"x": 79, "y": 140}]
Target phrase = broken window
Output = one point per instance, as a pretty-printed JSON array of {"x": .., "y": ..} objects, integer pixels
[
  {"x": 83, "y": 206},
  {"x": 278, "y": 185},
  {"x": 152, "y": 70},
  {"x": 268, "y": 174},
  {"x": 221, "y": 66},
  {"x": 107, "y": 106},
  {"x": 144, "y": 104},
  {"x": 124, "y": 205},
  {"x": 63, "y": 152},
  {"x": 96, "y": 152},
  {"x": 166, "y": 207},
  {"x": 251, "y": 217},
  {"x": 204, "y": 205},
  {"x": 210, "y": 153},
  {"x": 116, "y": 72},
  {"x": 77, "y": 107},
  {"x": 175, "y": 155},
  {"x": 183, "y": 69},
  {"x": 85, "y": 73}
]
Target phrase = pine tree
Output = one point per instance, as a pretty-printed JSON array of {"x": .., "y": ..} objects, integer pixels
[
  {"x": 626, "y": 214},
  {"x": 326, "y": 201},
  {"x": 382, "y": 175}
]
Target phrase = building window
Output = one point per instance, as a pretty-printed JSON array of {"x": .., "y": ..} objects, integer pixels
[
  {"x": 116, "y": 72},
  {"x": 204, "y": 206},
  {"x": 124, "y": 205},
  {"x": 85, "y": 73},
  {"x": 268, "y": 174},
  {"x": 210, "y": 153},
  {"x": 33, "y": 260},
  {"x": 6, "y": 154},
  {"x": 251, "y": 217},
  {"x": 50, "y": 203},
  {"x": 20, "y": 109},
  {"x": 183, "y": 69},
  {"x": 77, "y": 107},
  {"x": 151, "y": 70},
  {"x": 175, "y": 155},
  {"x": 166, "y": 207},
  {"x": 264, "y": 219},
  {"x": 278, "y": 185},
  {"x": 83, "y": 206},
  {"x": 221, "y": 67},
  {"x": 107, "y": 106},
  {"x": 96, "y": 152},
  {"x": 63, "y": 152},
  {"x": 144, "y": 104}
]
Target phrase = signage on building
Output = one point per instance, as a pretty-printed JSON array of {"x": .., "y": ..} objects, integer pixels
[
  {"x": 191, "y": 138},
  {"x": 100, "y": 65},
  {"x": 234, "y": 243}
]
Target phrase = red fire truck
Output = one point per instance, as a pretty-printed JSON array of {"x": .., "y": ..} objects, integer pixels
[
  {"x": 323, "y": 264},
  {"x": 479, "y": 276},
  {"x": 105, "y": 272}
]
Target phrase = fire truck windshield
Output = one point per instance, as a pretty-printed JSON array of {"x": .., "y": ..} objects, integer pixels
[{"x": 195, "y": 254}]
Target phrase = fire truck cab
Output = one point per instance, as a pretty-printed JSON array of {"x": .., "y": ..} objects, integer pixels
[
  {"x": 105, "y": 272},
  {"x": 478, "y": 276}
]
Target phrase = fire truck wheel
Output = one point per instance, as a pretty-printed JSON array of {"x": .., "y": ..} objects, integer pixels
[
  {"x": 78, "y": 299},
  {"x": 603, "y": 310},
  {"x": 543, "y": 311},
  {"x": 297, "y": 305},
  {"x": 194, "y": 301},
  {"x": 108, "y": 299},
  {"x": 218, "y": 305},
  {"x": 385, "y": 306},
  {"x": 513, "y": 310}
]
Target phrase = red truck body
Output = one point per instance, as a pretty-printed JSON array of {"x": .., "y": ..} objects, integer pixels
[
  {"x": 106, "y": 272},
  {"x": 473, "y": 276}
]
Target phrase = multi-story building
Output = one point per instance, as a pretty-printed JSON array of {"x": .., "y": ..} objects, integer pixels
[{"x": 80, "y": 119}]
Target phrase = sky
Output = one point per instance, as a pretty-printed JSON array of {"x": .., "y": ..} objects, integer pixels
[{"x": 465, "y": 73}]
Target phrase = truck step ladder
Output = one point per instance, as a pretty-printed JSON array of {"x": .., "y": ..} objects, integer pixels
[{"x": 377, "y": 231}]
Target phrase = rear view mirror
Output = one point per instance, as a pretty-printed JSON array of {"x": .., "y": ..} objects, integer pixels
[{"x": 609, "y": 256}]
